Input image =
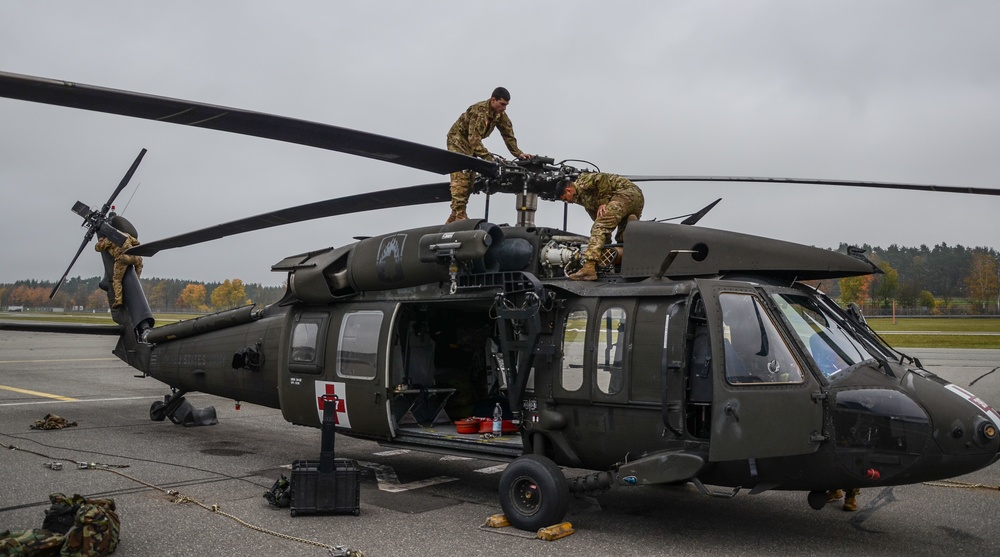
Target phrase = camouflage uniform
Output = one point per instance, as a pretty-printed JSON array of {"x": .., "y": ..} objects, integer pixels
[
  {"x": 52, "y": 421},
  {"x": 31, "y": 542},
  {"x": 466, "y": 136},
  {"x": 621, "y": 199},
  {"x": 122, "y": 261},
  {"x": 73, "y": 527}
]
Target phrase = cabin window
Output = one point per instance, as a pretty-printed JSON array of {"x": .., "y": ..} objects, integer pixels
[
  {"x": 357, "y": 350},
  {"x": 306, "y": 355},
  {"x": 612, "y": 345},
  {"x": 574, "y": 349},
  {"x": 754, "y": 350}
]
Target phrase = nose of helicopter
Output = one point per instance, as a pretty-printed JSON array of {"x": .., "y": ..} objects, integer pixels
[
  {"x": 927, "y": 429},
  {"x": 965, "y": 430},
  {"x": 981, "y": 424}
]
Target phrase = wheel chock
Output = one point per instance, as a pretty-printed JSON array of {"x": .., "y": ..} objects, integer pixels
[
  {"x": 497, "y": 521},
  {"x": 554, "y": 532}
]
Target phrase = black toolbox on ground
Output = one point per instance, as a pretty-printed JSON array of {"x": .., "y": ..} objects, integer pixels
[{"x": 328, "y": 485}]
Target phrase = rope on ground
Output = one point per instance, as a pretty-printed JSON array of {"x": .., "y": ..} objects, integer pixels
[
  {"x": 962, "y": 485},
  {"x": 334, "y": 550},
  {"x": 78, "y": 463}
]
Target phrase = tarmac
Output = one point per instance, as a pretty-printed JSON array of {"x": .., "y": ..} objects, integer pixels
[{"x": 199, "y": 490}]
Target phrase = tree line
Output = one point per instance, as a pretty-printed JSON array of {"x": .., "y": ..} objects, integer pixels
[
  {"x": 943, "y": 280},
  {"x": 164, "y": 295}
]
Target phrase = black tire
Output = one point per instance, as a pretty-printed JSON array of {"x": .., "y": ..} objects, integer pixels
[
  {"x": 157, "y": 411},
  {"x": 534, "y": 493}
]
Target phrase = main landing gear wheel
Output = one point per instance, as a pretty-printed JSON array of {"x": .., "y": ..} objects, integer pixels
[
  {"x": 534, "y": 493},
  {"x": 158, "y": 411}
]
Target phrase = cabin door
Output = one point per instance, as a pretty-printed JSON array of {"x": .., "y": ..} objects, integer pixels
[
  {"x": 358, "y": 357},
  {"x": 762, "y": 403}
]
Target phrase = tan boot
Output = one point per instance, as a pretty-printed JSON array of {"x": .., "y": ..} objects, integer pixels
[
  {"x": 588, "y": 272},
  {"x": 850, "y": 503},
  {"x": 456, "y": 216}
]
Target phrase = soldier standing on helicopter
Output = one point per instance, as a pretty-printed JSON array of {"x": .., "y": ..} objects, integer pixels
[
  {"x": 466, "y": 136},
  {"x": 122, "y": 261},
  {"x": 612, "y": 201}
]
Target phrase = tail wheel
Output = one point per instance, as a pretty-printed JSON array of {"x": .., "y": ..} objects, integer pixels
[{"x": 534, "y": 493}]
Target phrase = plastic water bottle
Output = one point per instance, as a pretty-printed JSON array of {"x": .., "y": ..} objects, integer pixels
[{"x": 497, "y": 419}]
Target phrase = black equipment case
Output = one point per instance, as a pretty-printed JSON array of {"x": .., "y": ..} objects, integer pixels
[{"x": 328, "y": 485}]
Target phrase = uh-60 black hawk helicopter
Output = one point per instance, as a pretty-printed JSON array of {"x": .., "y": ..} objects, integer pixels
[{"x": 699, "y": 355}]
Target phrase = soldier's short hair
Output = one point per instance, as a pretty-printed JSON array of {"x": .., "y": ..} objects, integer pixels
[
  {"x": 561, "y": 187},
  {"x": 501, "y": 93}
]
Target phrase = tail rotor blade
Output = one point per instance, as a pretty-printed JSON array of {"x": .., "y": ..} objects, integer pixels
[
  {"x": 124, "y": 182},
  {"x": 86, "y": 240}
]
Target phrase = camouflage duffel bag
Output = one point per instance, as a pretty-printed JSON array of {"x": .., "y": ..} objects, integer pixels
[
  {"x": 30, "y": 543},
  {"x": 95, "y": 528}
]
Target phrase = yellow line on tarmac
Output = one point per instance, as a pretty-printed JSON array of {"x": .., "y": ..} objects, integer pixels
[{"x": 36, "y": 393}]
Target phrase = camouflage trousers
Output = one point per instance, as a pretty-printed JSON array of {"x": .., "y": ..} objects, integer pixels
[
  {"x": 616, "y": 215},
  {"x": 121, "y": 264},
  {"x": 460, "y": 181},
  {"x": 460, "y": 190}
]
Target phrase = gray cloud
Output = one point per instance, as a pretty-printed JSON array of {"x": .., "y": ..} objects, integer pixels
[{"x": 893, "y": 91}]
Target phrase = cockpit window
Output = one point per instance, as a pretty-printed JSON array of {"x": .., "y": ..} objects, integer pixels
[
  {"x": 831, "y": 346},
  {"x": 755, "y": 351}
]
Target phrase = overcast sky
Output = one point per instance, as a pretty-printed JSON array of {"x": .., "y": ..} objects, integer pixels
[{"x": 903, "y": 91}]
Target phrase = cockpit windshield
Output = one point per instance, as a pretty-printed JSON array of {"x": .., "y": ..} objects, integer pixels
[{"x": 832, "y": 347}]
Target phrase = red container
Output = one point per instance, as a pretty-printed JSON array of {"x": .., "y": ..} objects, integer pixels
[
  {"x": 467, "y": 425},
  {"x": 506, "y": 426}
]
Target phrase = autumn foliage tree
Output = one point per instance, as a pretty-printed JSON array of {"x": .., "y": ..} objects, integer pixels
[
  {"x": 30, "y": 296},
  {"x": 193, "y": 297},
  {"x": 982, "y": 283},
  {"x": 855, "y": 289},
  {"x": 229, "y": 294}
]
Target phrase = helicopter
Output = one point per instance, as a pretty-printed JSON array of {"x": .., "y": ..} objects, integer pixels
[{"x": 699, "y": 355}]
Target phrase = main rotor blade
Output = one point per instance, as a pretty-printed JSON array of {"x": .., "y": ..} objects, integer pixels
[
  {"x": 124, "y": 182},
  {"x": 413, "y": 195},
  {"x": 854, "y": 183},
  {"x": 86, "y": 240},
  {"x": 235, "y": 120}
]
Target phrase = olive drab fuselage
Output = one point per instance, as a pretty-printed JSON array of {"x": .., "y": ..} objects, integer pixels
[{"x": 722, "y": 368}]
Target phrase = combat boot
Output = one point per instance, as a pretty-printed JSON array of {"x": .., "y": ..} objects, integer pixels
[
  {"x": 588, "y": 272},
  {"x": 456, "y": 216},
  {"x": 834, "y": 495},
  {"x": 850, "y": 501}
]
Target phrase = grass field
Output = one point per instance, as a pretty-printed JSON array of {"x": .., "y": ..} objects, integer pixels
[
  {"x": 944, "y": 332},
  {"x": 927, "y": 332}
]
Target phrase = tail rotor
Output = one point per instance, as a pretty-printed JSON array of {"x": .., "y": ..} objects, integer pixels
[{"x": 98, "y": 221}]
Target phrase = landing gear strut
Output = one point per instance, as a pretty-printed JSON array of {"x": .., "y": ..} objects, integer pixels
[{"x": 180, "y": 411}]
